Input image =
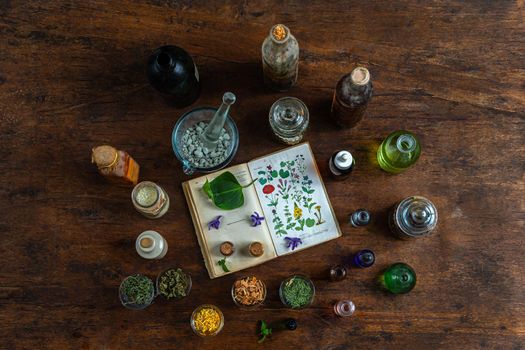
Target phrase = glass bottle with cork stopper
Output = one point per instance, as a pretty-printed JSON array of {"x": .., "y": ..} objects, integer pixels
[
  {"x": 115, "y": 164},
  {"x": 280, "y": 58},
  {"x": 151, "y": 245},
  {"x": 352, "y": 94},
  {"x": 150, "y": 199},
  {"x": 289, "y": 118},
  {"x": 341, "y": 164}
]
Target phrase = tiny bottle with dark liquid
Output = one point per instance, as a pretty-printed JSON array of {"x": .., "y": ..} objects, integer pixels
[
  {"x": 341, "y": 164},
  {"x": 351, "y": 97},
  {"x": 172, "y": 72}
]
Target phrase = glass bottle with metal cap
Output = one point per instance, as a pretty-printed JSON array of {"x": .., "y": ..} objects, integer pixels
[
  {"x": 150, "y": 199},
  {"x": 289, "y": 119},
  {"x": 352, "y": 94},
  {"x": 341, "y": 164},
  {"x": 151, "y": 245},
  {"x": 413, "y": 217}
]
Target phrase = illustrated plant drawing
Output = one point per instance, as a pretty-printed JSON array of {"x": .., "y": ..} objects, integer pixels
[{"x": 290, "y": 186}]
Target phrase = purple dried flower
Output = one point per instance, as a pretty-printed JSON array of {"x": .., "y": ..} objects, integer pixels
[
  {"x": 215, "y": 223},
  {"x": 256, "y": 219},
  {"x": 293, "y": 242}
]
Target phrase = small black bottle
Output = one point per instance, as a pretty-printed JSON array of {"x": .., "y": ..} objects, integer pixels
[
  {"x": 171, "y": 71},
  {"x": 341, "y": 164}
]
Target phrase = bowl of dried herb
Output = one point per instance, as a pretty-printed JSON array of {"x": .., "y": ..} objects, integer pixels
[
  {"x": 297, "y": 292},
  {"x": 136, "y": 292},
  {"x": 248, "y": 291},
  {"x": 174, "y": 284},
  {"x": 207, "y": 320}
]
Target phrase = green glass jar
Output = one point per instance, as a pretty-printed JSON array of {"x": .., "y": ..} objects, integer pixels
[
  {"x": 398, "y": 151},
  {"x": 398, "y": 278}
]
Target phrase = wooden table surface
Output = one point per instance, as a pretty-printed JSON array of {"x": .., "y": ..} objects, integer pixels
[{"x": 72, "y": 76}]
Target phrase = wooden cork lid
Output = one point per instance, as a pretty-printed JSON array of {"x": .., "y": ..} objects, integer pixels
[
  {"x": 256, "y": 249},
  {"x": 227, "y": 248},
  {"x": 104, "y": 156}
]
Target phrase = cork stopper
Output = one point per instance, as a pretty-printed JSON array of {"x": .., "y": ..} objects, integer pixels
[
  {"x": 279, "y": 33},
  {"x": 360, "y": 76},
  {"x": 256, "y": 249},
  {"x": 227, "y": 248},
  {"x": 146, "y": 242},
  {"x": 104, "y": 156}
]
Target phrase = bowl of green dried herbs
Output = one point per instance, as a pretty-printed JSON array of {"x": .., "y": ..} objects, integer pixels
[
  {"x": 174, "y": 284},
  {"x": 297, "y": 292},
  {"x": 136, "y": 292}
]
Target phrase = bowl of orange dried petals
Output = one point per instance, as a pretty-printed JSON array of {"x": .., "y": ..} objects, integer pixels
[{"x": 248, "y": 291}]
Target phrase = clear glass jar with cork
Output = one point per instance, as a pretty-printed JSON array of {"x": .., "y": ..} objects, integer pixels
[{"x": 280, "y": 58}]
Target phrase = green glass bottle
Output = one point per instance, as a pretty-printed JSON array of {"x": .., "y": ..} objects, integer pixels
[
  {"x": 398, "y": 151},
  {"x": 398, "y": 278}
]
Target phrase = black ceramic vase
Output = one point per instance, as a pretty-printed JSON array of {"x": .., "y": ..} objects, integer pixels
[{"x": 171, "y": 71}]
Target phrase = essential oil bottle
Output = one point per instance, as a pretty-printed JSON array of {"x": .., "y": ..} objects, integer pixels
[
  {"x": 341, "y": 164},
  {"x": 398, "y": 151}
]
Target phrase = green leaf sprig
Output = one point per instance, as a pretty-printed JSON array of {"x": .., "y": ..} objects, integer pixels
[
  {"x": 222, "y": 263},
  {"x": 264, "y": 332},
  {"x": 225, "y": 191}
]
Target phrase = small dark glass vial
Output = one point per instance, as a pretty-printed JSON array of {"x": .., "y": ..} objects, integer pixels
[
  {"x": 341, "y": 164},
  {"x": 360, "y": 217},
  {"x": 351, "y": 97},
  {"x": 364, "y": 258},
  {"x": 172, "y": 72},
  {"x": 291, "y": 324},
  {"x": 337, "y": 273}
]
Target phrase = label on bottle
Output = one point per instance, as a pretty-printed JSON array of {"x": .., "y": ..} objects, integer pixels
[{"x": 196, "y": 72}]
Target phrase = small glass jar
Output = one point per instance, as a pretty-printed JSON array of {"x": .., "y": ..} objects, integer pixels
[
  {"x": 151, "y": 245},
  {"x": 289, "y": 118},
  {"x": 194, "y": 326},
  {"x": 337, "y": 273},
  {"x": 242, "y": 305},
  {"x": 186, "y": 291},
  {"x": 150, "y": 199},
  {"x": 125, "y": 299},
  {"x": 413, "y": 217},
  {"x": 344, "y": 308},
  {"x": 287, "y": 282}
]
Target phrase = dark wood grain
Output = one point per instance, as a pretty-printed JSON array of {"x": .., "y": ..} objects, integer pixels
[{"x": 72, "y": 77}]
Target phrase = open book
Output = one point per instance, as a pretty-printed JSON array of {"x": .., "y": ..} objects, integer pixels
[{"x": 288, "y": 192}]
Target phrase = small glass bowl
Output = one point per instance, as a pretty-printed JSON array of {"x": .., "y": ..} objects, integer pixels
[
  {"x": 304, "y": 278},
  {"x": 188, "y": 288},
  {"x": 192, "y": 320},
  {"x": 133, "y": 306},
  {"x": 248, "y": 306},
  {"x": 202, "y": 114}
]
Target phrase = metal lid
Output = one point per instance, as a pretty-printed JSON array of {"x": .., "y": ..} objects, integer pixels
[
  {"x": 360, "y": 76},
  {"x": 416, "y": 216},
  {"x": 343, "y": 160},
  {"x": 289, "y": 116}
]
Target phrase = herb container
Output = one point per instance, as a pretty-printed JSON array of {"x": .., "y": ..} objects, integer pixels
[
  {"x": 173, "y": 284},
  {"x": 248, "y": 292},
  {"x": 136, "y": 292},
  {"x": 297, "y": 292},
  {"x": 207, "y": 320}
]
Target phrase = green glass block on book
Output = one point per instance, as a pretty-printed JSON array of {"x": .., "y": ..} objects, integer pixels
[
  {"x": 398, "y": 151},
  {"x": 398, "y": 278}
]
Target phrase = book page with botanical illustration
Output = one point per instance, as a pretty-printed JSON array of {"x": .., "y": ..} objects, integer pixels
[{"x": 293, "y": 199}]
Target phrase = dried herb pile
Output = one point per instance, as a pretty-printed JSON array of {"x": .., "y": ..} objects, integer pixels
[
  {"x": 174, "y": 284},
  {"x": 249, "y": 291},
  {"x": 297, "y": 292},
  {"x": 138, "y": 290}
]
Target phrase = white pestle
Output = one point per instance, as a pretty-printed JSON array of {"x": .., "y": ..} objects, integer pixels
[{"x": 211, "y": 134}]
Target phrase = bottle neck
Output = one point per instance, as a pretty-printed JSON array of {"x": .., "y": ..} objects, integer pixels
[
  {"x": 406, "y": 143},
  {"x": 163, "y": 62}
]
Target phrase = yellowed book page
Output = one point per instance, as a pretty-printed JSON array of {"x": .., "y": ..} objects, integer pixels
[
  {"x": 294, "y": 199},
  {"x": 235, "y": 225}
]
